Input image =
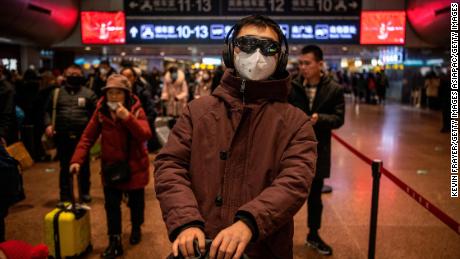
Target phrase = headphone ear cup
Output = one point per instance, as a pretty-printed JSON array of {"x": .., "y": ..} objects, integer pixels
[
  {"x": 282, "y": 63},
  {"x": 227, "y": 55}
]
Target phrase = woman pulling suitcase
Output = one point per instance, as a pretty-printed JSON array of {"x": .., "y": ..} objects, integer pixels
[{"x": 121, "y": 122}]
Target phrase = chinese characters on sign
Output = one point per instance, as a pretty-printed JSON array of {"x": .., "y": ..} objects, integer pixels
[
  {"x": 209, "y": 32},
  {"x": 242, "y": 7},
  {"x": 171, "y": 7}
]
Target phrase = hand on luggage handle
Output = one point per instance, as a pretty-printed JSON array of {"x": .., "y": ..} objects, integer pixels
[
  {"x": 74, "y": 168},
  {"x": 196, "y": 248},
  {"x": 198, "y": 254}
]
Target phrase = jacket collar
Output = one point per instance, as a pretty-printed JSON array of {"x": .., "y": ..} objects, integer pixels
[
  {"x": 298, "y": 81},
  {"x": 321, "y": 92},
  {"x": 231, "y": 89}
]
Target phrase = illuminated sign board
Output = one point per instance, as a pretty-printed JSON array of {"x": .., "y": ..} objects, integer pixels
[
  {"x": 242, "y": 7},
  {"x": 103, "y": 27},
  {"x": 391, "y": 55},
  {"x": 383, "y": 27},
  {"x": 214, "y": 32}
]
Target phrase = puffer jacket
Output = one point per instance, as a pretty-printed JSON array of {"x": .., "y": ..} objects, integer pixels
[
  {"x": 114, "y": 142},
  {"x": 175, "y": 94},
  {"x": 243, "y": 150},
  {"x": 73, "y": 111}
]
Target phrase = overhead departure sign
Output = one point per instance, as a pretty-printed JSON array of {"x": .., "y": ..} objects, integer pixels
[
  {"x": 171, "y": 7},
  {"x": 214, "y": 32},
  {"x": 292, "y": 7},
  {"x": 242, "y": 7}
]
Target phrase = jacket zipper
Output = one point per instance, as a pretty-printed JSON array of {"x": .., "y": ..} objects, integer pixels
[{"x": 242, "y": 88}]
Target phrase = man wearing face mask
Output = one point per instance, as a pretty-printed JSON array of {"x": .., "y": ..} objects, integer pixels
[
  {"x": 99, "y": 80},
  {"x": 320, "y": 97},
  {"x": 74, "y": 107},
  {"x": 238, "y": 164}
]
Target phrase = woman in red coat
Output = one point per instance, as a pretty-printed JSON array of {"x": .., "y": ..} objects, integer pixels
[{"x": 121, "y": 122}]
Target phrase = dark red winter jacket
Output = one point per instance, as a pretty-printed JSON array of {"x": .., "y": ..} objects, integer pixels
[
  {"x": 226, "y": 157},
  {"x": 114, "y": 141}
]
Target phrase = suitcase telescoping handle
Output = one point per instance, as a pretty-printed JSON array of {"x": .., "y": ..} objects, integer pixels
[{"x": 72, "y": 192}]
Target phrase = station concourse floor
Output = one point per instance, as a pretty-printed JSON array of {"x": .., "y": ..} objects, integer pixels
[{"x": 408, "y": 141}]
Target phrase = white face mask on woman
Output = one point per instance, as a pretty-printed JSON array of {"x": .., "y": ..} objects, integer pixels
[
  {"x": 112, "y": 105},
  {"x": 254, "y": 66}
]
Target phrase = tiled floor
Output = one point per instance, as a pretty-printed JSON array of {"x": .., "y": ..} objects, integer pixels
[{"x": 406, "y": 139}]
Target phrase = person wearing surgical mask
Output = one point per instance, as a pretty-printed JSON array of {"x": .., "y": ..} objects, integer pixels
[
  {"x": 98, "y": 81},
  {"x": 175, "y": 92},
  {"x": 239, "y": 163},
  {"x": 121, "y": 123},
  {"x": 74, "y": 106},
  {"x": 203, "y": 87}
]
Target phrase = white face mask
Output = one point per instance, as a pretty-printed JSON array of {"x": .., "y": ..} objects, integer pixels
[
  {"x": 254, "y": 66},
  {"x": 112, "y": 105}
]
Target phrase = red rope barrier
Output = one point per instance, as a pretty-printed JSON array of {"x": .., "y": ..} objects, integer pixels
[{"x": 450, "y": 222}]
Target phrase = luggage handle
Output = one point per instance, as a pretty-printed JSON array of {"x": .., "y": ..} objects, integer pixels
[
  {"x": 72, "y": 192},
  {"x": 198, "y": 254}
]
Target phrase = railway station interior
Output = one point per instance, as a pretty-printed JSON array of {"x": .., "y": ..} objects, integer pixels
[{"x": 389, "y": 60}]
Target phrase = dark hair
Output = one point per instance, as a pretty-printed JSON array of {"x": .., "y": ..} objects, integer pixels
[
  {"x": 105, "y": 62},
  {"x": 259, "y": 21},
  {"x": 317, "y": 52},
  {"x": 129, "y": 68},
  {"x": 75, "y": 66},
  {"x": 172, "y": 69}
]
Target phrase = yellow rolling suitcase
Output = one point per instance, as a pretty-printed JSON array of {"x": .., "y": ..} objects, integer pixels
[{"x": 68, "y": 230}]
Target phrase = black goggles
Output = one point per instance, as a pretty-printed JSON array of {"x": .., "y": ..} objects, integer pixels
[{"x": 250, "y": 44}]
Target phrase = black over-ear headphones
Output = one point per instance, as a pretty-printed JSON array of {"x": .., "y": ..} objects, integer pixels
[{"x": 227, "y": 53}]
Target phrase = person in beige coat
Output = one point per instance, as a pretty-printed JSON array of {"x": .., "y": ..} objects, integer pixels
[
  {"x": 203, "y": 87},
  {"x": 175, "y": 92}
]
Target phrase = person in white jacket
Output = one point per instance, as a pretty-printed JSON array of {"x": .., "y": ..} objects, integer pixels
[{"x": 175, "y": 92}]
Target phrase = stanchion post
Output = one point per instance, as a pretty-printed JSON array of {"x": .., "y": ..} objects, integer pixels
[{"x": 376, "y": 172}]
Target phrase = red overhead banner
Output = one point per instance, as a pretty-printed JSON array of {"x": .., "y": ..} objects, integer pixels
[
  {"x": 103, "y": 27},
  {"x": 383, "y": 27}
]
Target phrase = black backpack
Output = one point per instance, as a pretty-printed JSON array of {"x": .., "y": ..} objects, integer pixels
[{"x": 11, "y": 188}]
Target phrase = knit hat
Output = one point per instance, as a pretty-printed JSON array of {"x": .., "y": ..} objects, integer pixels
[
  {"x": 117, "y": 81},
  {"x": 15, "y": 249}
]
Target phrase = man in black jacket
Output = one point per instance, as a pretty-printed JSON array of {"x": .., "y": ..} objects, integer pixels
[
  {"x": 323, "y": 100},
  {"x": 75, "y": 105}
]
